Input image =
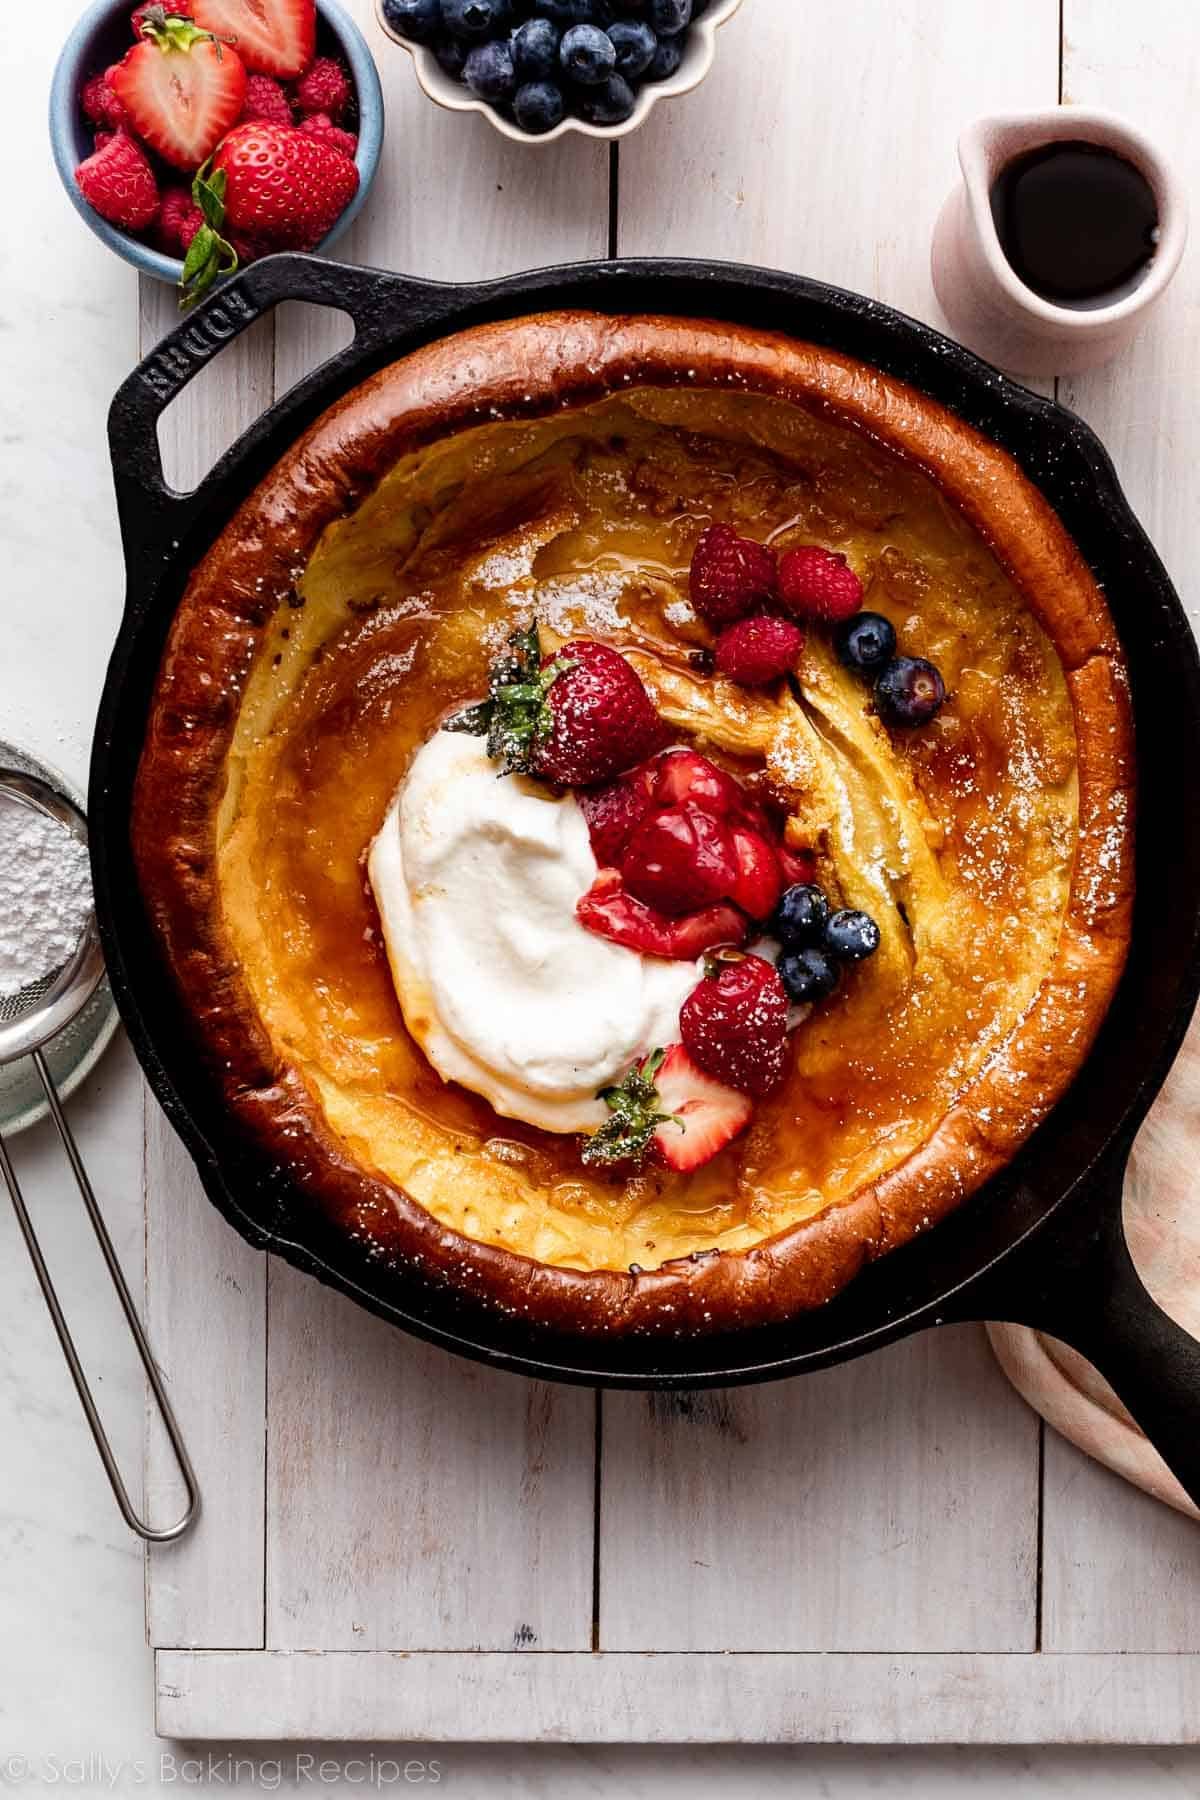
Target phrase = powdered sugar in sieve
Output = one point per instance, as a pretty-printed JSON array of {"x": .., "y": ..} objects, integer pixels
[{"x": 45, "y": 900}]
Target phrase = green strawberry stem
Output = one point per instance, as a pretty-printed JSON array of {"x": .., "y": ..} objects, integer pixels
[
  {"x": 209, "y": 255},
  {"x": 171, "y": 31},
  {"x": 516, "y": 716},
  {"x": 635, "y": 1105}
]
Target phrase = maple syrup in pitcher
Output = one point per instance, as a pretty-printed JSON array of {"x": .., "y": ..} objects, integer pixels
[{"x": 1077, "y": 222}]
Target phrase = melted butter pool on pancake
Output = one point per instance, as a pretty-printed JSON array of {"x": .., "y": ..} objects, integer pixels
[{"x": 958, "y": 839}]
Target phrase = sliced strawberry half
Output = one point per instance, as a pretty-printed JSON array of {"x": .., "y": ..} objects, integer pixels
[
  {"x": 611, "y": 912},
  {"x": 760, "y": 878},
  {"x": 703, "y": 1115},
  {"x": 272, "y": 37},
  {"x": 181, "y": 88},
  {"x": 666, "y": 1104}
]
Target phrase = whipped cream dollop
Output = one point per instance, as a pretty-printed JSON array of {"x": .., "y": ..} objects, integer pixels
[{"x": 476, "y": 877}]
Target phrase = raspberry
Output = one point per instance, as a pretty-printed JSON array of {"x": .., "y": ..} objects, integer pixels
[
  {"x": 323, "y": 88},
  {"x": 119, "y": 184},
  {"x": 758, "y": 650},
  {"x": 731, "y": 575},
  {"x": 265, "y": 99},
  {"x": 179, "y": 219},
  {"x": 734, "y": 1025},
  {"x": 101, "y": 105},
  {"x": 815, "y": 583},
  {"x": 322, "y": 127}
]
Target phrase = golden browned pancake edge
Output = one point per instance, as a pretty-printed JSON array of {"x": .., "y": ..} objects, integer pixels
[{"x": 529, "y": 368}]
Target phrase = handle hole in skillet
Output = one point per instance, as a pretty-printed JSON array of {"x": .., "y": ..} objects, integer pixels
[{"x": 238, "y": 385}]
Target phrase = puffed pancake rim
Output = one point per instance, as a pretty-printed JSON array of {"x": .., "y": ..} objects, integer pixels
[{"x": 562, "y": 466}]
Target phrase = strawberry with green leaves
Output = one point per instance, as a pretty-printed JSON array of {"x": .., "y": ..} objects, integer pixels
[
  {"x": 574, "y": 719},
  {"x": 667, "y": 1107},
  {"x": 181, "y": 88}
]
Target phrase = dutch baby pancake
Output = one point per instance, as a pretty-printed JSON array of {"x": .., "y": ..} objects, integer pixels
[{"x": 640, "y": 814}]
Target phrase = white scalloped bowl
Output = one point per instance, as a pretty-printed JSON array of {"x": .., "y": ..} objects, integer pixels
[{"x": 445, "y": 91}]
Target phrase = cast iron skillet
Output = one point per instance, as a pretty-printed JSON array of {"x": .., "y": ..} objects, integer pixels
[{"x": 1043, "y": 1243}]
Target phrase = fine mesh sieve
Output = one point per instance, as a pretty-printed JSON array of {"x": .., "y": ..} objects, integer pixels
[{"x": 40, "y": 1003}]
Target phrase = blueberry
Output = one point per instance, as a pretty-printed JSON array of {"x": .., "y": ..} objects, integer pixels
[
  {"x": 669, "y": 17},
  {"x": 587, "y": 55},
  {"x": 489, "y": 71},
  {"x": 866, "y": 642},
  {"x": 535, "y": 49},
  {"x": 850, "y": 936},
  {"x": 667, "y": 59},
  {"x": 801, "y": 916},
  {"x": 474, "y": 18},
  {"x": 563, "y": 12},
  {"x": 909, "y": 692},
  {"x": 609, "y": 104},
  {"x": 808, "y": 975},
  {"x": 538, "y": 106},
  {"x": 418, "y": 20},
  {"x": 452, "y": 55},
  {"x": 635, "y": 44}
]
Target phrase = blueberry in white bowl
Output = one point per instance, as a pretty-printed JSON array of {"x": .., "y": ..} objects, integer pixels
[{"x": 538, "y": 69}]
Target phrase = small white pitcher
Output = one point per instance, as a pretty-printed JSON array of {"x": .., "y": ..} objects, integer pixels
[{"x": 987, "y": 305}]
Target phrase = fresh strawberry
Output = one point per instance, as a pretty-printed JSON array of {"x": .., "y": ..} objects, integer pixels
[
  {"x": 731, "y": 575},
  {"x": 799, "y": 867},
  {"x": 182, "y": 89},
  {"x": 686, "y": 775},
  {"x": 179, "y": 219},
  {"x": 322, "y": 127},
  {"x": 734, "y": 1024},
  {"x": 680, "y": 859},
  {"x": 755, "y": 651},
  {"x": 119, "y": 183},
  {"x": 265, "y": 99},
  {"x": 602, "y": 720},
  {"x": 101, "y": 105},
  {"x": 273, "y": 37},
  {"x": 611, "y": 912},
  {"x": 324, "y": 87},
  {"x": 284, "y": 190},
  {"x": 574, "y": 719},
  {"x": 177, "y": 9},
  {"x": 760, "y": 879},
  {"x": 613, "y": 811},
  {"x": 667, "y": 1104},
  {"x": 815, "y": 583},
  {"x": 103, "y": 137}
]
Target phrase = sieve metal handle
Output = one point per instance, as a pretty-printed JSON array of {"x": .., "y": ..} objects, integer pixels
[{"x": 152, "y": 1535}]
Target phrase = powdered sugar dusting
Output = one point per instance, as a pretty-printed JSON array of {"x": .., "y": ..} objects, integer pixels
[{"x": 45, "y": 895}]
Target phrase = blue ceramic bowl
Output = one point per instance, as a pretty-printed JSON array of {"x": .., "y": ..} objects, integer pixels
[{"x": 103, "y": 36}]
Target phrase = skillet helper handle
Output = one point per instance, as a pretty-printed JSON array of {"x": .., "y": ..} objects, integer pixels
[
  {"x": 1090, "y": 1296},
  {"x": 151, "y": 512}
]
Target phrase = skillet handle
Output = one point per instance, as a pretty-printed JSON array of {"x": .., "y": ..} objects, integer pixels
[
  {"x": 1076, "y": 1281},
  {"x": 152, "y": 513}
]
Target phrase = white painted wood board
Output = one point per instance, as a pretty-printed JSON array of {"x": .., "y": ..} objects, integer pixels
[{"x": 395, "y": 1544}]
